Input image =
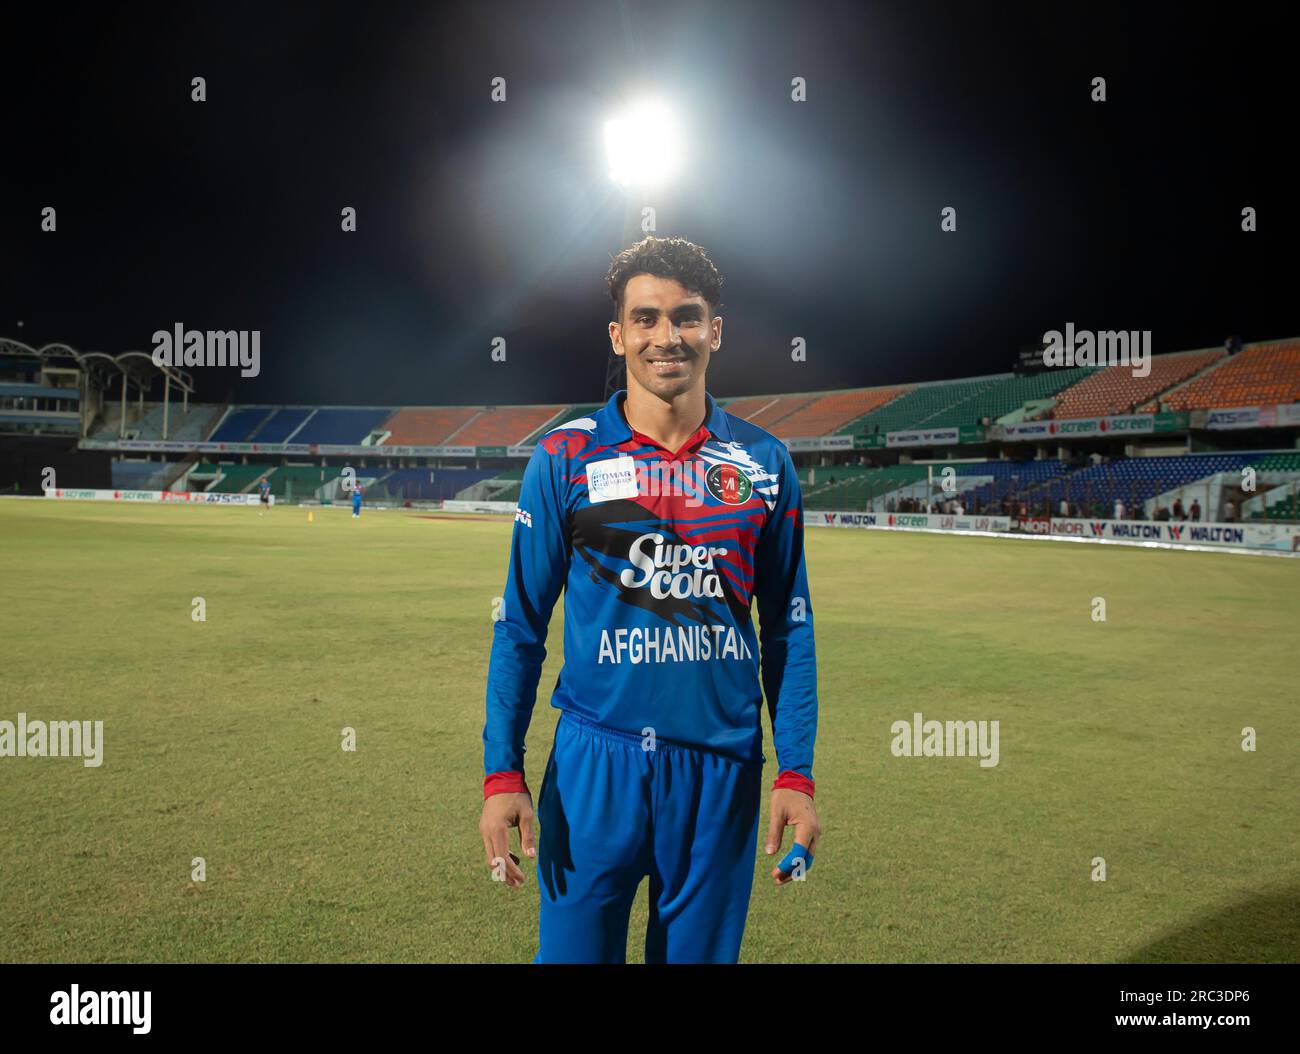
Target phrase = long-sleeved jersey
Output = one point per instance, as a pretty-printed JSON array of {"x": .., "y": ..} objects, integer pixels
[{"x": 661, "y": 555}]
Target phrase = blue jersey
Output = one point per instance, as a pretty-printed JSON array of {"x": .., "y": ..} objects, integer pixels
[{"x": 661, "y": 555}]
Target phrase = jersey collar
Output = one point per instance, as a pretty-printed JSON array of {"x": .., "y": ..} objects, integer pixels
[{"x": 612, "y": 427}]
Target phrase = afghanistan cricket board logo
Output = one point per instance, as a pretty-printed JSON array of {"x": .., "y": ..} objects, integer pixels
[{"x": 728, "y": 484}]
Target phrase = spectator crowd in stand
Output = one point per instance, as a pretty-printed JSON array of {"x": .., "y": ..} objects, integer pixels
[
  {"x": 941, "y": 506},
  {"x": 1021, "y": 508}
]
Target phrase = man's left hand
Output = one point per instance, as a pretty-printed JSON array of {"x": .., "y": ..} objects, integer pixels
[{"x": 791, "y": 808}]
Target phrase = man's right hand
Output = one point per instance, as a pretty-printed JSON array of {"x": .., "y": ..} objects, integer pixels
[{"x": 500, "y": 813}]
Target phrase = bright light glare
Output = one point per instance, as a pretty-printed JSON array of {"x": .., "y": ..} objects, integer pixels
[{"x": 644, "y": 146}]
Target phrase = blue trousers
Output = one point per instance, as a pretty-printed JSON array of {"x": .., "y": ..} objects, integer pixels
[{"x": 612, "y": 813}]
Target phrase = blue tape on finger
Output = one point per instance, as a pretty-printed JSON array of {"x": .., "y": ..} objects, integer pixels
[{"x": 797, "y": 852}]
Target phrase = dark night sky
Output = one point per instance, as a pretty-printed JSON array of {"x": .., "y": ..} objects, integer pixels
[{"x": 479, "y": 220}]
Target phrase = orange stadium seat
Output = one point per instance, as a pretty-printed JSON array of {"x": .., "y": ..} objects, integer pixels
[
  {"x": 1116, "y": 391},
  {"x": 747, "y": 406},
  {"x": 429, "y": 427},
  {"x": 504, "y": 425},
  {"x": 1259, "y": 375},
  {"x": 778, "y": 408},
  {"x": 824, "y": 414}
]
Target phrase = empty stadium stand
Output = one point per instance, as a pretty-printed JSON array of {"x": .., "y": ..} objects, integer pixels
[
  {"x": 1288, "y": 461},
  {"x": 1002, "y": 398},
  {"x": 281, "y": 426},
  {"x": 852, "y": 487},
  {"x": 239, "y": 422},
  {"x": 915, "y": 406},
  {"x": 1258, "y": 375},
  {"x": 747, "y": 406},
  {"x": 182, "y": 427},
  {"x": 345, "y": 427},
  {"x": 431, "y": 427},
  {"x": 142, "y": 475},
  {"x": 569, "y": 413},
  {"x": 1114, "y": 390},
  {"x": 777, "y": 409},
  {"x": 825, "y": 413},
  {"x": 503, "y": 425}
]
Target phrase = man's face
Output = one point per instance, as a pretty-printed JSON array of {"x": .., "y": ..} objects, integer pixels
[{"x": 666, "y": 335}]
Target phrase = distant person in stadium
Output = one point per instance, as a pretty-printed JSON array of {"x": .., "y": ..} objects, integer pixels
[
  {"x": 264, "y": 495},
  {"x": 1178, "y": 509},
  {"x": 1119, "y": 509},
  {"x": 1196, "y": 510},
  {"x": 356, "y": 501},
  {"x": 656, "y": 767}
]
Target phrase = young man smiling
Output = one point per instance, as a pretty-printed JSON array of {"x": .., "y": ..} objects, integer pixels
[{"x": 657, "y": 762}]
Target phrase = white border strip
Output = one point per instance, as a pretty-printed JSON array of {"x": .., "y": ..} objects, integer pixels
[{"x": 1086, "y": 541}]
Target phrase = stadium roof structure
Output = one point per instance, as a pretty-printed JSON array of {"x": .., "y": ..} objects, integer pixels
[{"x": 135, "y": 367}]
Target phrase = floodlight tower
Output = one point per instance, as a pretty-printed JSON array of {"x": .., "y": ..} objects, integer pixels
[{"x": 644, "y": 147}]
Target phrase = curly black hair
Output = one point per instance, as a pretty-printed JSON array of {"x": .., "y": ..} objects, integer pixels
[{"x": 674, "y": 258}]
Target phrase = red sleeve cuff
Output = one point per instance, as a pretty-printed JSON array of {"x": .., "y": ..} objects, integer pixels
[
  {"x": 793, "y": 781},
  {"x": 504, "y": 783}
]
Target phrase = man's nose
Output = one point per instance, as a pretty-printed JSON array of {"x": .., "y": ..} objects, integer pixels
[{"x": 668, "y": 335}]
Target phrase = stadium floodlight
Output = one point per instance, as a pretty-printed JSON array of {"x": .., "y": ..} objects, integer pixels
[{"x": 645, "y": 145}]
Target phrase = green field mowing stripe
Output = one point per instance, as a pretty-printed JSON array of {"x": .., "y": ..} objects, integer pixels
[{"x": 1118, "y": 739}]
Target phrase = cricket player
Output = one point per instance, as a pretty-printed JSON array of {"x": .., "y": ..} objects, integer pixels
[
  {"x": 356, "y": 501},
  {"x": 663, "y": 518},
  {"x": 264, "y": 495}
]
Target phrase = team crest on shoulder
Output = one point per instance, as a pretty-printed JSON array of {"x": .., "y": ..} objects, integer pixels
[{"x": 728, "y": 484}]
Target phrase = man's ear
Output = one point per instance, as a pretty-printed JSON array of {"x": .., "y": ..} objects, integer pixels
[{"x": 616, "y": 337}]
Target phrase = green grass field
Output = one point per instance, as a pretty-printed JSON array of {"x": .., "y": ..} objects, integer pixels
[{"x": 1119, "y": 739}]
